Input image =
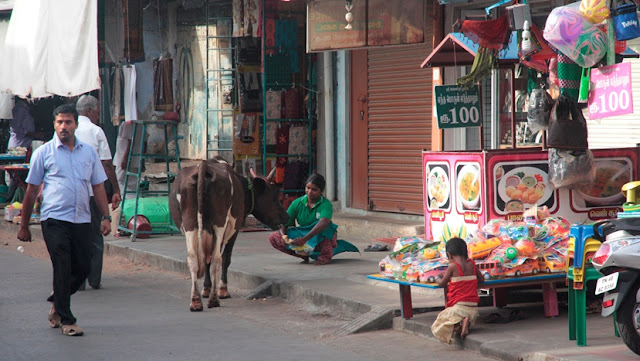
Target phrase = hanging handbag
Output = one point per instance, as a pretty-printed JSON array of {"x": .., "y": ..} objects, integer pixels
[
  {"x": 625, "y": 21},
  {"x": 567, "y": 126}
]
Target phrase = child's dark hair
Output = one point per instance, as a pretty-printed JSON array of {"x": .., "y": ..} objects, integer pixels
[{"x": 457, "y": 247}]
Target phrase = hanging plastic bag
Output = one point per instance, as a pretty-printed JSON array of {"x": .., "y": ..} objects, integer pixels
[
  {"x": 575, "y": 36},
  {"x": 571, "y": 168},
  {"x": 567, "y": 126},
  {"x": 625, "y": 21},
  {"x": 539, "y": 110}
]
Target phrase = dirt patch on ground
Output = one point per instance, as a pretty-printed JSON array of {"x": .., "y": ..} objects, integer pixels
[{"x": 112, "y": 265}]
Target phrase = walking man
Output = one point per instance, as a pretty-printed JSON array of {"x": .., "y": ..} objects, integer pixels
[
  {"x": 68, "y": 168},
  {"x": 89, "y": 132}
]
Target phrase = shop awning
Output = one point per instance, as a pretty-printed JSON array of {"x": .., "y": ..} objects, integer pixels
[{"x": 456, "y": 49}]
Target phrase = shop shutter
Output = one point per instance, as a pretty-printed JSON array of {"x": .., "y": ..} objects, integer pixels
[
  {"x": 621, "y": 131},
  {"x": 399, "y": 126}
]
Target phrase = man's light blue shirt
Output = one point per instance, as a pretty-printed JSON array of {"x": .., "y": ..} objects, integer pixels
[{"x": 67, "y": 176}]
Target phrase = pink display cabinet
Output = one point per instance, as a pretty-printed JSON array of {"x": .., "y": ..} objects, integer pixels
[{"x": 464, "y": 190}]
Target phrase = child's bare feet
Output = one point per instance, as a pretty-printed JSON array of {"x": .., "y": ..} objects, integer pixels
[{"x": 464, "y": 331}]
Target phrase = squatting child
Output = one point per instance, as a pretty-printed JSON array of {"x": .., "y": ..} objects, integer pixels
[{"x": 461, "y": 280}]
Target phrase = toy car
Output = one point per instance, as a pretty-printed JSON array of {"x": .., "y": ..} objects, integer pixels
[
  {"x": 430, "y": 276},
  {"x": 530, "y": 266},
  {"x": 490, "y": 269},
  {"x": 551, "y": 263}
]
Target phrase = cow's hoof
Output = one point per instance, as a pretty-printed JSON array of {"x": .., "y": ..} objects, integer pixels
[
  {"x": 213, "y": 302},
  {"x": 223, "y": 293},
  {"x": 206, "y": 292},
  {"x": 196, "y": 305}
]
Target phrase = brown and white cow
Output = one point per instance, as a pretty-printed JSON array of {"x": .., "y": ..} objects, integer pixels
[{"x": 209, "y": 203}]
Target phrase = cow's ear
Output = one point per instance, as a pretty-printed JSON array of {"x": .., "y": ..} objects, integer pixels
[{"x": 259, "y": 185}]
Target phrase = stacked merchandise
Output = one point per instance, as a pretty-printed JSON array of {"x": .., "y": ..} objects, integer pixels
[{"x": 501, "y": 249}]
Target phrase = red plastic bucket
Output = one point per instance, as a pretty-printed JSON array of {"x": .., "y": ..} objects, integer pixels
[{"x": 142, "y": 225}]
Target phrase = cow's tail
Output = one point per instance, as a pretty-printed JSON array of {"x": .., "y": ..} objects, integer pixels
[{"x": 202, "y": 175}]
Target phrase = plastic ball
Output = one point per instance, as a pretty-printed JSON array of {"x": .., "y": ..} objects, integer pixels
[{"x": 511, "y": 253}]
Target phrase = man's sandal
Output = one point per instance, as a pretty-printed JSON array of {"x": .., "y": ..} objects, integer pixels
[
  {"x": 72, "y": 330},
  {"x": 54, "y": 320}
]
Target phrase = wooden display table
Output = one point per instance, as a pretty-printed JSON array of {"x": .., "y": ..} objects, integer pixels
[{"x": 499, "y": 286}]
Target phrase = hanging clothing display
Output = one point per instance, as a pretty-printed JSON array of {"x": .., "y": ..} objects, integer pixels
[
  {"x": 133, "y": 31},
  {"x": 51, "y": 48},
  {"x": 287, "y": 41},
  {"x": 273, "y": 104},
  {"x": 299, "y": 139},
  {"x": 130, "y": 106},
  {"x": 116, "y": 96},
  {"x": 247, "y": 18},
  {"x": 492, "y": 34},
  {"x": 163, "y": 84},
  {"x": 6, "y": 104}
]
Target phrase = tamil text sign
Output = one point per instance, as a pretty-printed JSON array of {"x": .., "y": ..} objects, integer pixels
[
  {"x": 457, "y": 107},
  {"x": 610, "y": 93}
]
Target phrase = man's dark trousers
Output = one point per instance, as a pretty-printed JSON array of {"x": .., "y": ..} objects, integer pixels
[
  {"x": 70, "y": 252},
  {"x": 95, "y": 275}
]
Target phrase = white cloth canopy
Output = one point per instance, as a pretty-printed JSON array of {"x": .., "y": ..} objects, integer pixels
[{"x": 51, "y": 48}]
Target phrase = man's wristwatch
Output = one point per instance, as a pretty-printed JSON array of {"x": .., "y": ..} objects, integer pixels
[{"x": 105, "y": 217}]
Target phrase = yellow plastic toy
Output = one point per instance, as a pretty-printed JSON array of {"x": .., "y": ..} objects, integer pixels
[
  {"x": 429, "y": 253},
  {"x": 481, "y": 249},
  {"x": 594, "y": 10}
]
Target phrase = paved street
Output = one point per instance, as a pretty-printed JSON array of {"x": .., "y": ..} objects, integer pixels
[{"x": 143, "y": 314}]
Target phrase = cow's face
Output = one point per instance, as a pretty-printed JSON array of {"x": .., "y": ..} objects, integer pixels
[{"x": 266, "y": 206}]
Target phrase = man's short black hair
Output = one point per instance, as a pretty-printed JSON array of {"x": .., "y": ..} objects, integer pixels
[{"x": 66, "y": 109}]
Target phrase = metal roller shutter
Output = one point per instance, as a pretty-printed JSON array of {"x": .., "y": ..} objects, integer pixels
[{"x": 399, "y": 126}]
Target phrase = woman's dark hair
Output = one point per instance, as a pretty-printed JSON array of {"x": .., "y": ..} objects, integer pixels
[
  {"x": 457, "y": 247},
  {"x": 66, "y": 109},
  {"x": 316, "y": 179}
]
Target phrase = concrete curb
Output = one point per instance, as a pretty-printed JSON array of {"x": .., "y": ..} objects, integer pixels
[{"x": 313, "y": 301}]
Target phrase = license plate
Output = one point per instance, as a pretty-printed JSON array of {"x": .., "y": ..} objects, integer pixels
[{"x": 606, "y": 283}]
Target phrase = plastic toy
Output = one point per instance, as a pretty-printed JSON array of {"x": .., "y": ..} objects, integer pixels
[
  {"x": 530, "y": 266},
  {"x": 511, "y": 253},
  {"x": 551, "y": 263},
  {"x": 429, "y": 253},
  {"x": 490, "y": 269},
  {"x": 526, "y": 247},
  {"x": 481, "y": 249}
]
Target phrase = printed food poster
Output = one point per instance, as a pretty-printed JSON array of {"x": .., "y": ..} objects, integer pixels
[
  {"x": 469, "y": 190},
  {"x": 611, "y": 175},
  {"x": 454, "y": 194},
  {"x": 520, "y": 186},
  {"x": 438, "y": 186}
]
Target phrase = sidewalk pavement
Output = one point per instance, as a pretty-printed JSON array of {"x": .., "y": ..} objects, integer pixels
[{"x": 342, "y": 289}]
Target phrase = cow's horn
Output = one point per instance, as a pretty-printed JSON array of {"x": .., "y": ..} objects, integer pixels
[
  {"x": 271, "y": 174},
  {"x": 253, "y": 173}
]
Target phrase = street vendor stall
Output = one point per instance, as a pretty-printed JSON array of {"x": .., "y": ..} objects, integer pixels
[{"x": 515, "y": 199}]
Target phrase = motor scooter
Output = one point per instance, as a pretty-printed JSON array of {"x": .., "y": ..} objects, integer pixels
[{"x": 618, "y": 259}]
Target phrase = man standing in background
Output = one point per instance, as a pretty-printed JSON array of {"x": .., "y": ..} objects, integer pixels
[{"x": 89, "y": 132}]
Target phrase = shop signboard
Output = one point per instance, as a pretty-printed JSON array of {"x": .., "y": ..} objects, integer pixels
[
  {"x": 458, "y": 107},
  {"x": 610, "y": 93},
  {"x": 512, "y": 182},
  {"x": 374, "y": 23}
]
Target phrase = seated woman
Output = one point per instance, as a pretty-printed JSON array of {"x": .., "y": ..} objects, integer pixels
[{"x": 315, "y": 233}]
